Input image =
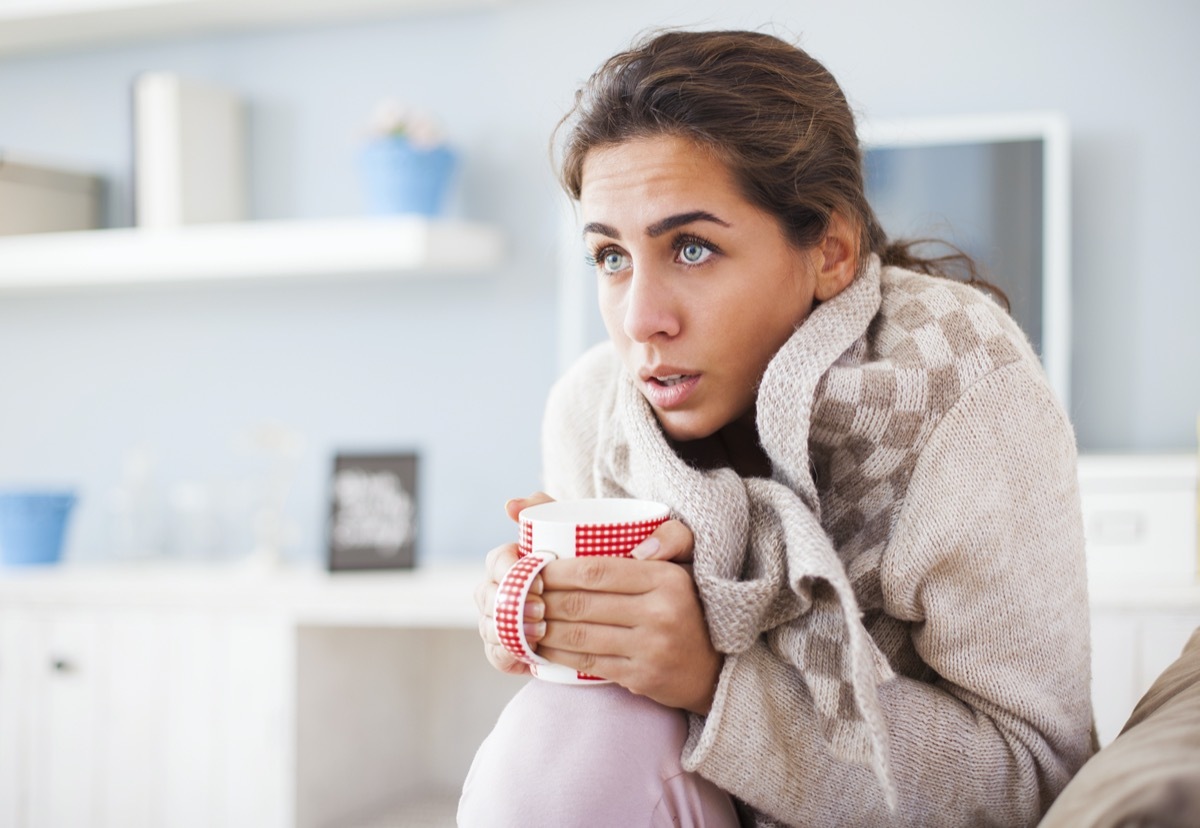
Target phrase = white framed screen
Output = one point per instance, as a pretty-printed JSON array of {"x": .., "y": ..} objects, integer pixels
[{"x": 998, "y": 187}]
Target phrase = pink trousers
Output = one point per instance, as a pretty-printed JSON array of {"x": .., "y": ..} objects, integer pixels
[{"x": 587, "y": 756}]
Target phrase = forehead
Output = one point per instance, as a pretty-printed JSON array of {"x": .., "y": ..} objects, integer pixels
[{"x": 646, "y": 176}]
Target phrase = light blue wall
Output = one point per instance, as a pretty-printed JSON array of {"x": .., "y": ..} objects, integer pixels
[{"x": 459, "y": 368}]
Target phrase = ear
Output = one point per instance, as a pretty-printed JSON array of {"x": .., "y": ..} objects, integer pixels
[{"x": 836, "y": 258}]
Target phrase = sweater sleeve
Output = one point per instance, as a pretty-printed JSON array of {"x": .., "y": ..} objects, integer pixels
[{"x": 986, "y": 567}]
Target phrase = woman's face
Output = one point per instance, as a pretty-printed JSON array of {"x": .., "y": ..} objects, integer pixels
[{"x": 698, "y": 287}]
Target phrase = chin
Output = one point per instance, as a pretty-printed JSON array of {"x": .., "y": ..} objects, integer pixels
[{"x": 683, "y": 428}]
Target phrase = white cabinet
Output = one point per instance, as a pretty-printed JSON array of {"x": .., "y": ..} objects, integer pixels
[
  {"x": 12, "y": 722},
  {"x": 252, "y": 722},
  {"x": 129, "y": 718},
  {"x": 64, "y": 704},
  {"x": 131, "y": 692},
  {"x": 142, "y": 698},
  {"x": 1137, "y": 632},
  {"x": 51, "y": 715},
  {"x": 195, "y": 720}
]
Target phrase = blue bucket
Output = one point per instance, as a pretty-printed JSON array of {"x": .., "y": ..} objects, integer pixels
[
  {"x": 401, "y": 178},
  {"x": 32, "y": 526}
]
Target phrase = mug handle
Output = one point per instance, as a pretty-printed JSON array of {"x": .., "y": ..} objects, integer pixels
[{"x": 508, "y": 616}]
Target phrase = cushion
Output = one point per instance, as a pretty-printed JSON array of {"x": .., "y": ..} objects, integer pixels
[{"x": 1150, "y": 774}]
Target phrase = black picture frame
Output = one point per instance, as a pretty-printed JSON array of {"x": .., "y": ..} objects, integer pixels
[{"x": 373, "y": 511}]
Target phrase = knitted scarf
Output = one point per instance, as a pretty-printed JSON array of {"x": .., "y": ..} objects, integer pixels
[{"x": 763, "y": 563}]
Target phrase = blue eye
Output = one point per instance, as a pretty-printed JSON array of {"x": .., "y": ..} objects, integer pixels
[
  {"x": 612, "y": 262},
  {"x": 609, "y": 260},
  {"x": 694, "y": 253}
]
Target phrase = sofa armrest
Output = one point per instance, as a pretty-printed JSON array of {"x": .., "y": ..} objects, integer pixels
[{"x": 1150, "y": 774}]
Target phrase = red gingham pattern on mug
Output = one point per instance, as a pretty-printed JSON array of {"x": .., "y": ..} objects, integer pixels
[
  {"x": 509, "y": 612},
  {"x": 525, "y": 543},
  {"x": 613, "y": 539}
]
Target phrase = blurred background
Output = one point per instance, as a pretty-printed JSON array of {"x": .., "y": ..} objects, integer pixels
[{"x": 200, "y": 419}]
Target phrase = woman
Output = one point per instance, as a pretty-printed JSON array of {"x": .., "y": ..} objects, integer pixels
[{"x": 884, "y": 619}]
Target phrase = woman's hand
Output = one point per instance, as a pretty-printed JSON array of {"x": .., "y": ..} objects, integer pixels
[
  {"x": 637, "y": 622},
  {"x": 499, "y": 560}
]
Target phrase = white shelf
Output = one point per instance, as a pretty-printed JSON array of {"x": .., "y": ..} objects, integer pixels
[
  {"x": 396, "y": 246},
  {"x": 37, "y": 25}
]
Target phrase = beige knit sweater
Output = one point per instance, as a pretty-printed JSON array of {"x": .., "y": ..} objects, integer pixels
[{"x": 903, "y": 604}]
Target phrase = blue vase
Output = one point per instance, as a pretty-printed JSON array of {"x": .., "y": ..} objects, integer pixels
[
  {"x": 400, "y": 178},
  {"x": 32, "y": 526}
]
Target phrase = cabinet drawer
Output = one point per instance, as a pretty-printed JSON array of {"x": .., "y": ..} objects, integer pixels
[{"x": 1139, "y": 516}]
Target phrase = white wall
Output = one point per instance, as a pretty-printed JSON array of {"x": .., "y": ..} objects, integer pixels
[{"x": 459, "y": 370}]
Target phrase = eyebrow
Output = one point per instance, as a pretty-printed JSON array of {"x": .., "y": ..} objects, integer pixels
[{"x": 659, "y": 227}]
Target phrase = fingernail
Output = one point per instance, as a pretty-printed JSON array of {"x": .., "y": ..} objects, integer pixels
[
  {"x": 535, "y": 630},
  {"x": 645, "y": 549},
  {"x": 534, "y": 610}
]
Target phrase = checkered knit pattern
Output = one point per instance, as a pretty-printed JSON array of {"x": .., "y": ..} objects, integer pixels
[
  {"x": 845, "y": 410},
  {"x": 876, "y": 407}
]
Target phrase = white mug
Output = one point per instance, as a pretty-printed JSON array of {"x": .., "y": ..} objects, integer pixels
[{"x": 567, "y": 529}]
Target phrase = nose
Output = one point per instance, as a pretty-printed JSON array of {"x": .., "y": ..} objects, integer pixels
[{"x": 650, "y": 308}]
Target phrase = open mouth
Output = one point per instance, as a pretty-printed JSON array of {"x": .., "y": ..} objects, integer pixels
[
  {"x": 671, "y": 380},
  {"x": 668, "y": 391}
]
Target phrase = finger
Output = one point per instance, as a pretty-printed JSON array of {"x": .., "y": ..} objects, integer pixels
[
  {"x": 672, "y": 541},
  {"x": 485, "y": 601},
  {"x": 500, "y": 560},
  {"x": 604, "y": 574},
  {"x": 616, "y": 609},
  {"x": 610, "y": 667},
  {"x": 514, "y": 506},
  {"x": 596, "y": 639},
  {"x": 534, "y": 632}
]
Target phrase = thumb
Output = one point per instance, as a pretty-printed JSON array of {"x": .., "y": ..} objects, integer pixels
[
  {"x": 672, "y": 541},
  {"x": 514, "y": 506}
]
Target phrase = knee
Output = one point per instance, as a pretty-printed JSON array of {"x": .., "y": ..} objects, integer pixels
[
  {"x": 569, "y": 749},
  {"x": 555, "y": 717}
]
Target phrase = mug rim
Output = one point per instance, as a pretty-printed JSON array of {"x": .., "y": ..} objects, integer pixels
[{"x": 595, "y": 510}]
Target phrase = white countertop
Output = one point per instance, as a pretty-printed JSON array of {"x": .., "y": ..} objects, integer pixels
[{"x": 422, "y": 597}]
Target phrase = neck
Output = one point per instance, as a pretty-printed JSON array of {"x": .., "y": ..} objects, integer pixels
[{"x": 734, "y": 446}]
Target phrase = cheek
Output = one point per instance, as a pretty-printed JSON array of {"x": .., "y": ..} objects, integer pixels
[
  {"x": 795, "y": 299},
  {"x": 769, "y": 323},
  {"x": 610, "y": 313}
]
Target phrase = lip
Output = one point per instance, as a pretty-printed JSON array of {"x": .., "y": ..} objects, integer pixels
[{"x": 667, "y": 396}]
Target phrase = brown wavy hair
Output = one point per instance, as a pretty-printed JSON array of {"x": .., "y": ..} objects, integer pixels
[{"x": 772, "y": 113}]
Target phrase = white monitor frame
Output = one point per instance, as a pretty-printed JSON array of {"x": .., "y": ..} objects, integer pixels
[{"x": 1051, "y": 129}]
